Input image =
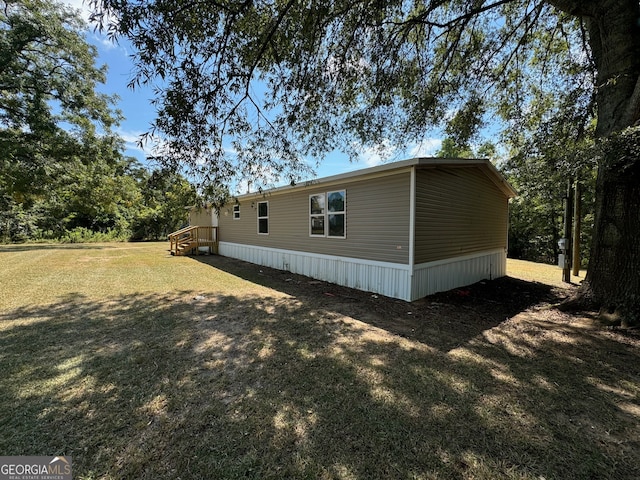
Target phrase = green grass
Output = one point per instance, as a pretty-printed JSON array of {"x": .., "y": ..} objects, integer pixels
[
  {"x": 142, "y": 365},
  {"x": 539, "y": 272}
]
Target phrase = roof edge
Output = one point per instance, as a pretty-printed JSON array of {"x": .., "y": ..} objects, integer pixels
[{"x": 498, "y": 178}]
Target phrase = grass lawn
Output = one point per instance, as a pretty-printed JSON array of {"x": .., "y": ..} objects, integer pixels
[{"x": 145, "y": 366}]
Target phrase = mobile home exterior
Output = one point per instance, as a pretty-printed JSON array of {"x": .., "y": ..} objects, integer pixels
[
  {"x": 203, "y": 215},
  {"x": 405, "y": 229}
]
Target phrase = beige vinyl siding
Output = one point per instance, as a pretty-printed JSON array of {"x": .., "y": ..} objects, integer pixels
[
  {"x": 200, "y": 216},
  {"x": 458, "y": 211},
  {"x": 377, "y": 220}
]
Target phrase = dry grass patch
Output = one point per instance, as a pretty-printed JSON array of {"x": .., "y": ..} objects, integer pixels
[{"x": 212, "y": 368}]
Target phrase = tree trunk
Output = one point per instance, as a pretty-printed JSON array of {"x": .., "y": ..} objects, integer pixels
[{"x": 613, "y": 277}]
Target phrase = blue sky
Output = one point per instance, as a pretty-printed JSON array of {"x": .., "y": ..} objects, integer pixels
[{"x": 139, "y": 113}]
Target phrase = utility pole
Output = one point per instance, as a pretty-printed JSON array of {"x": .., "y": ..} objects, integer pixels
[
  {"x": 576, "y": 230},
  {"x": 568, "y": 211}
]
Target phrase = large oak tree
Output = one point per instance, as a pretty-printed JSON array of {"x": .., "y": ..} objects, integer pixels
[{"x": 287, "y": 78}]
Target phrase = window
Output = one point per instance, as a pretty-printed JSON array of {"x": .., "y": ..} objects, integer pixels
[
  {"x": 317, "y": 212},
  {"x": 263, "y": 218},
  {"x": 336, "y": 213},
  {"x": 327, "y": 214},
  {"x": 236, "y": 212}
]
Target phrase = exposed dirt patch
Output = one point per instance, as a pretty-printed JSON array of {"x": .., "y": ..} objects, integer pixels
[{"x": 444, "y": 320}]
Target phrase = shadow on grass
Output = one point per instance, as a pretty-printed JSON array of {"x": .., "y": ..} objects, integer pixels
[
  {"x": 31, "y": 247},
  {"x": 195, "y": 385},
  {"x": 444, "y": 321}
]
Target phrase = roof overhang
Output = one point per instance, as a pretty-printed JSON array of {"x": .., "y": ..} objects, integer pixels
[{"x": 395, "y": 167}]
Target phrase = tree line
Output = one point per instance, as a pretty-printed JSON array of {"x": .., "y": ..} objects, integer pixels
[
  {"x": 97, "y": 201},
  {"x": 63, "y": 172}
]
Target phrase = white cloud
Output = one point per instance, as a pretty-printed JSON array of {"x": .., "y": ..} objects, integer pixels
[
  {"x": 103, "y": 42},
  {"x": 386, "y": 151},
  {"x": 132, "y": 138},
  {"x": 378, "y": 154},
  {"x": 335, "y": 67},
  {"x": 426, "y": 148},
  {"x": 81, "y": 6}
]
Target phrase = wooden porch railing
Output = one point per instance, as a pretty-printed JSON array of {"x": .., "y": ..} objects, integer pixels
[{"x": 190, "y": 239}]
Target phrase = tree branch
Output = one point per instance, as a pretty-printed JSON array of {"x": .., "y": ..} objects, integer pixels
[
  {"x": 267, "y": 40},
  {"x": 473, "y": 12},
  {"x": 632, "y": 112},
  {"x": 578, "y": 8}
]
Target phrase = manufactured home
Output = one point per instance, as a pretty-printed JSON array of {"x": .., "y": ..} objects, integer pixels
[{"x": 405, "y": 229}]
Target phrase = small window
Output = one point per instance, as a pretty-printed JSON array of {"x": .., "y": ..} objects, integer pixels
[
  {"x": 236, "y": 212},
  {"x": 263, "y": 218},
  {"x": 316, "y": 212},
  {"x": 336, "y": 213}
]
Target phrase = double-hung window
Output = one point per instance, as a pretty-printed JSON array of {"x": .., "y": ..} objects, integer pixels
[
  {"x": 236, "y": 212},
  {"x": 327, "y": 214},
  {"x": 317, "y": 215},
  {"x": 263, "y": 218},
  {"x": 336, "y": 214}
]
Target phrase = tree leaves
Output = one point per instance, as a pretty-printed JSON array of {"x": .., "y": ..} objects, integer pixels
[
  {"x": 61, "y": 166},
  {"x": 284, "y": 80},
  {"x": 47, "y": 71}
]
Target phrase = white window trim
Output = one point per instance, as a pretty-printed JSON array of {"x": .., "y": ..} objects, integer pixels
[
  {"x": 326, "y": 214},
  {"x": 236, "y": 210},
  {"x": 323, "y": 215},
  {"x": 262, "y": 218},
  {"x": 343, "y": 213}
]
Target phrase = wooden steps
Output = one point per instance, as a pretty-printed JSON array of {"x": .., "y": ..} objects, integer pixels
[{"x": 190, "y": 240}]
